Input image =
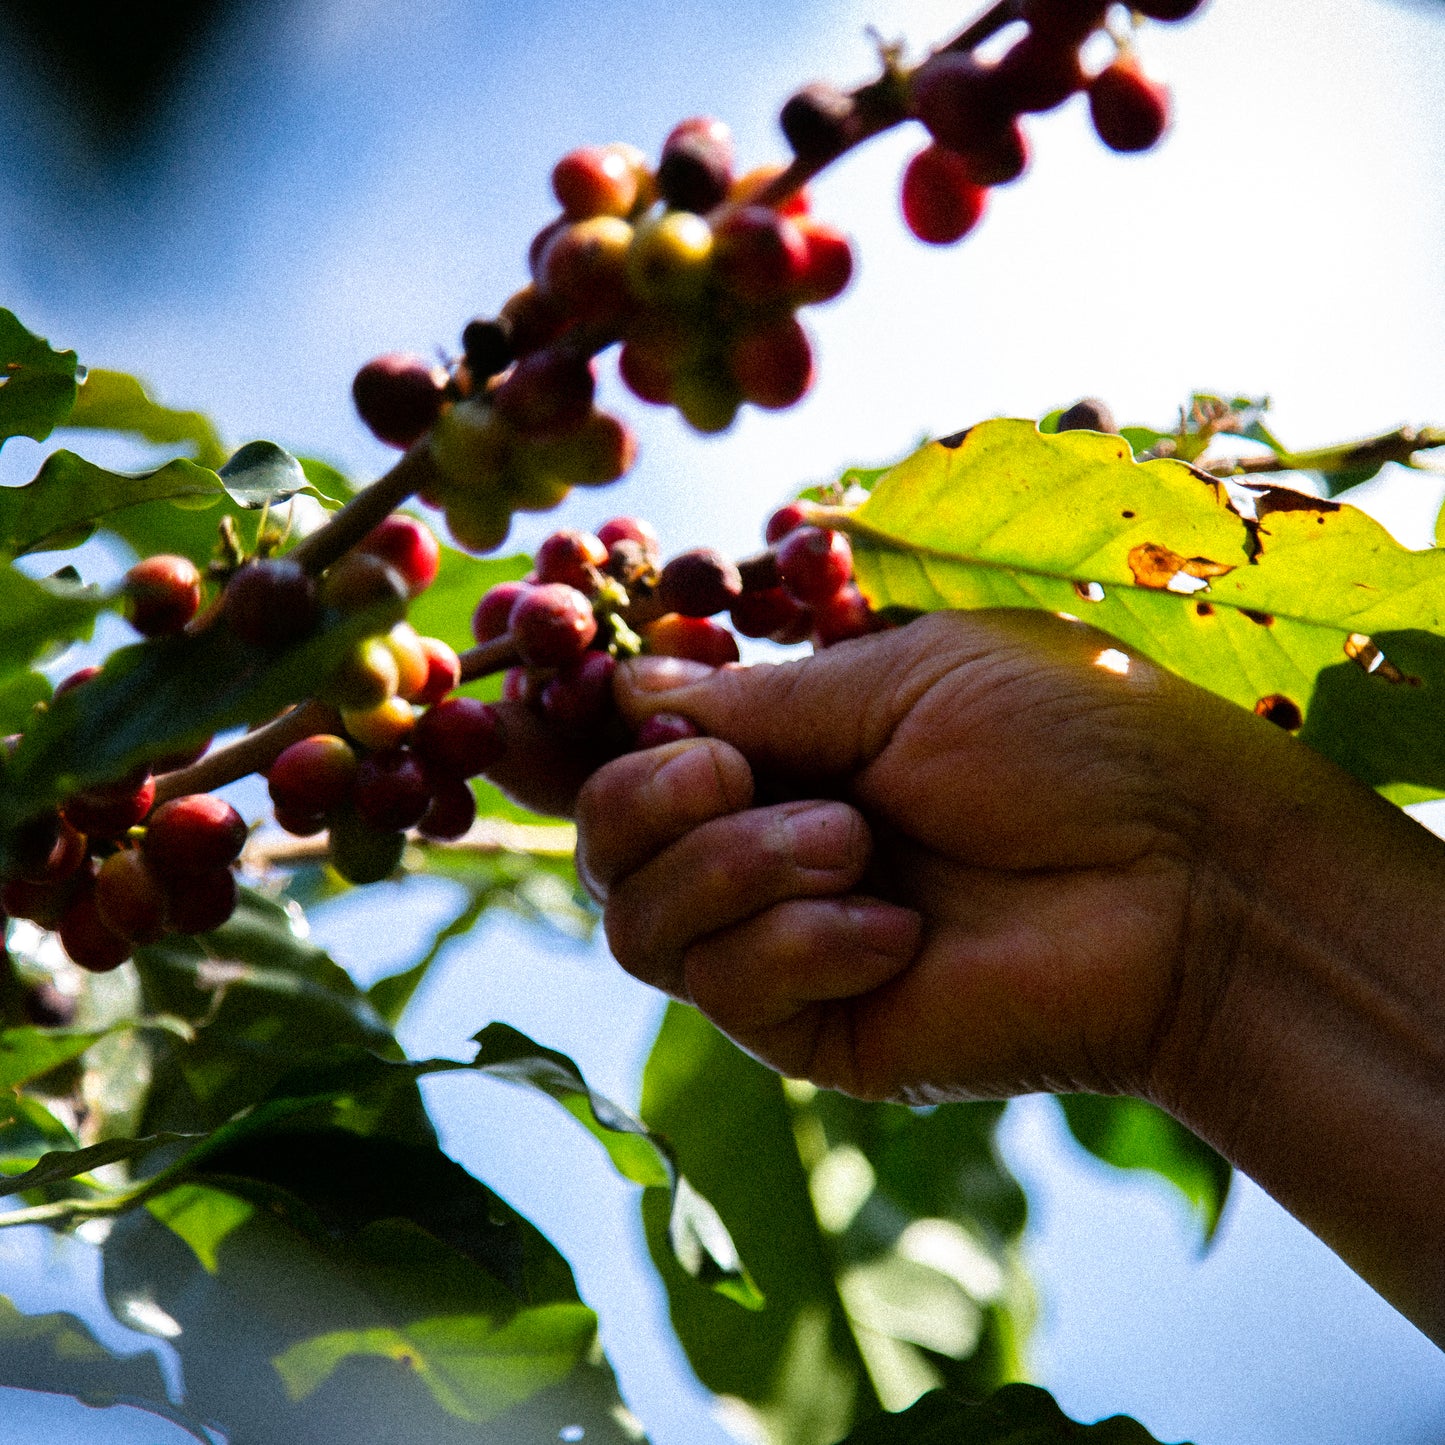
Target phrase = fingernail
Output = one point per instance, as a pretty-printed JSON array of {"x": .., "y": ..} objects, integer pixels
[
  {"x": 824, "y": 836},
  {"x": 662, "y": 674},
  {"x": 886, "y": 929}
]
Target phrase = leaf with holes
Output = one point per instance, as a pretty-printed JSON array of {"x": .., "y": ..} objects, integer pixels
[{"x": 1304, "y": 610}]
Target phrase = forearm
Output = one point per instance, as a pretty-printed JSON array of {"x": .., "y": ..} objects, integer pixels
[{"x": 1310, "y": 1043}]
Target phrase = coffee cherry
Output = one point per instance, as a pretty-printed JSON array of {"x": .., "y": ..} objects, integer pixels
[
  {"x": 646, "y": 373},
  {"x": 398, "y": 397},
  {"x": 201, "y": 902},
  {"x": 382, "y": 726},
  {"x": 392, "y": 791},
  {"x": 44, "y": 903},
  {"x": 673, "y": 635},
  {"x": 629, "y": 529},
  {"x": 595, "y": 181},
  {"x": 759, "y": 572},
  {"x": 547, "y": 392},
  {"x": 1040, "y": 72},
  {"x": 663, "y": 728},
  {"x": 193, "y": 834},
  {"x": 1129, "y": 111},
  {"x": 771, "y": 612},
  {"x": 958, "y": 99},
  {"x": 487, "y": 347},
  {"x": 942, "y": 202},
  {"x": 842, "y": 616},
  {"x": 367, "y": 676},
  {"x": 314, "y": 776},
  {"x": 271, "y": 603},
  {"x": 585, "y": 267},
  {"x": 708, "y": 399},
  {"x": 761, "y": 256},
  {"x": 130, "y": 899},
  {"x": 162, "y": 594},
  {"x": 695, "y": 171},
  {"x": 773, "y": 363},
  {"x": 453, "y": 810},
  {"x": 407, "y": 545},
  {"x": 412, "y": 667},
  {"x": 1000, "y": 158},
  {"x": 1065, "y": 20},
  {"x": 86, "y": 938},
  {"x": 365, "y": 582},
  {"x": 521, "y": 686},
  {"x": 1169, "y": 10},
  {"x": 494, "y": 611},
  {"x": 819, "y": 122},
  {"x": 361, "y": 854},
  {"x": 553, "y": 625},
  {"x": 815, "y": 563},
  {"x": 301, "y": 825},
  {"x": 786, "y": 519},
  {"x": 459, "y": 738},
  {"x": 671, "y": 257},
  {"x": 699, "y": 583},
  {"x": 109, "y": 812},
  {"x": 572, "y": 557},
  {"x": 829, "y": 266},
  {"x": 580, "y": 697},
  {"x": 1090, "y": 414},
  {"x": 533, "y": 319},
  {"x": 78, "y": 678},
  {"x": 599, "y": 451},
  {"x": 479, "y": 523},
  {"x": 443, "y": 674}
]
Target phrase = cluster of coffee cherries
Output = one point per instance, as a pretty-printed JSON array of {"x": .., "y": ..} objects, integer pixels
[
  {"x": 594, "y": 598},
  {"x": 681, "y": 264},
  {"x": 972, "y": 109}
]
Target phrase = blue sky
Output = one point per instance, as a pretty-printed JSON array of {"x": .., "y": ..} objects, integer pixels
[{"x": 358, "y": 177}]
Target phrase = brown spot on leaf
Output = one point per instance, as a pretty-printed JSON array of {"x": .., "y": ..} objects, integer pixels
[
  {"x": 954, "y": 440},
  {"x": 1284, "y": 712},
  {"x": 1260, "y": 619},
  {"x": 1204, "y": 609},
  {"x": 1127, "y": 514},
  {"x": 1365, "y": 651},
  {"x": 1157, "y": 567},
  {"x": 1286, "y": 499}
]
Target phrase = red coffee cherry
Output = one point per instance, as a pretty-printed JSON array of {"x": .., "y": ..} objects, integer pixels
[
  {"x": 1001, "y": 157},
  {"x": 829, "y": 266},
  {"x": 595, "y": 181},
  {"x": 695, "y": 172},
  {"x": 1130, "y": 112},
  {"x": 773, "y": 612},
  {"x": 86, "y": 938},
  {"x": 843, "y": 615},
  {"x": 494, "y": 611},
  {"x": 815, "y": 563},
  {"x": 109, "y": 812},
  {"x": 546, "y": 393},
  {"x": 553, "y": 625},
  {"x": 580, "y": 697},
  {"x": 271, "y": 603},
  {"x": 200, "y": 902},
  {"x": 398, "y": 397},
  {"x": 786, "y": 519},
  {"x": 571, "y": 557},
  {"x": 819, "y": 122},
  {"x": 301, "y": 825},
  {"x": 521, "y": 686},
  {"x": 629, "y": 529},
  {"x": 584, "y": 266},
  {"x": 959, "y": 100},
  {"x": 691, "y": 637},
  {"x": 407, "y": 545},
  {"x": 453, "y": 810},
  {"x": 194, "y": 834},
  {"x": 130, "y": 899},
  {"x": 44, "y": 903},
  {"x": 459, "y": 738},
  {"x": 1065, "y": 20},
  {"x": 699, "y": 583},
  {"x": 444, "y": 672},
  {"x": 162, "y": 594},
  {"x": 662, "y": 728},
  {"x": 942, "y": 202},
  {"x": 313, "y": 777},
  {"x": 392, "y": 791},
  {"x": 773, "y": 363},
  {"x": 363, "y": 582},
  {"x": 761, "y": 256},
  {"x": 1040, "y": 72}
]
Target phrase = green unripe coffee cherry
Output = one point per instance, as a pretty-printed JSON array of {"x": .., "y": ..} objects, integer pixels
[
  {"x": 670, "y": 258},
  {"x": 472, "y": 448},
  {"x": 362, "y": 854}
]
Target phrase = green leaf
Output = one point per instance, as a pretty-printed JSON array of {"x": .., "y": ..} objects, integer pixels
[
  {"x": 70, "y": 497},
  {"x": 326, "y": 482},
  {"x": 795, "y": 1362},
  {"x": 40, "y": 616},
  {"x": 1015, "y": 1415},
  {"x": 37, "y": 389},
  {"x": 1131, "y": 1134},
  {"x": 261, "y": 474},
  {"x": 19, "y": 694},
  {"x": 63, "y": 1164},
  {"x": 1282, "y": 605},
  {"x": 27, "y": 1053},
  {"x": 116, "y": 401}
]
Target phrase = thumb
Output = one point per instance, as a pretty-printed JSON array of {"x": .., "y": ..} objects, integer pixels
[{"x": 823, "y": 715}]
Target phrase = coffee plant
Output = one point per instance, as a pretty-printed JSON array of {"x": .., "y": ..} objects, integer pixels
[{"x": 194, "y": 1082}]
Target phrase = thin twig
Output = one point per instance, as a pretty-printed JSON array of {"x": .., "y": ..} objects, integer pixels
[
  {"x": 485, "y": 837},
  {"x": 1396, "y": 446},
  {"x": 489, "y": 657}
]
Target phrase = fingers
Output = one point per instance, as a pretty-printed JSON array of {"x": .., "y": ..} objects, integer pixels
[
  {"x": 769, "y": 980},
  {"x": 725, "y": 871},
  {"x": 642, "y": 803}
]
